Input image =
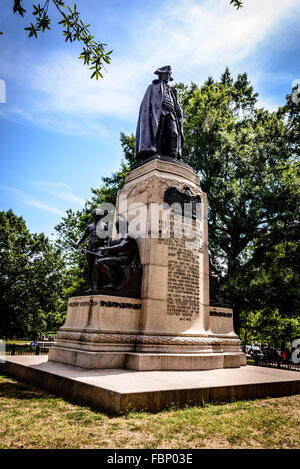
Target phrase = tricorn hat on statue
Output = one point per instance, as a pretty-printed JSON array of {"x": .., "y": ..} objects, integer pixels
[{"x": 165, "y": 69}]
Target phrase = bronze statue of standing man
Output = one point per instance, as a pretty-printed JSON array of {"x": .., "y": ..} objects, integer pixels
[
  {"x": 159, "y": 128},
  {"x": 94, "y": 245}
]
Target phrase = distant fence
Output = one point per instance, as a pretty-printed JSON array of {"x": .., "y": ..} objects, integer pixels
[
  {"x": 285, "y": 365},
  {"x": 17, "y": 349}
]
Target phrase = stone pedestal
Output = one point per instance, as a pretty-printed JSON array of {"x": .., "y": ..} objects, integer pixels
[{"x": 173, "y": 325}]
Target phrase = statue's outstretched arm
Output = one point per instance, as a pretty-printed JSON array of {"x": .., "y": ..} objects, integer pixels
[{"x": 84, "y": 236}]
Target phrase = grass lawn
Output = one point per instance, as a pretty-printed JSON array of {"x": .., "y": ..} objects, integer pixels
[
  {"x": 18, "y": 342},
  {"x": 32, "y": 418}
]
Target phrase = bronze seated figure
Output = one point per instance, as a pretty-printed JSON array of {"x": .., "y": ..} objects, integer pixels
[{"x": 117, "y": 268}]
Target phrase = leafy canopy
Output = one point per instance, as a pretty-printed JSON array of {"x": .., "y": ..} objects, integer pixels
[
  {"x": 248, "y": 161},
  {"x": 236, "y": 3},
  {"x": 74, "y": 223},
  {"x": 32, "y": 280}
]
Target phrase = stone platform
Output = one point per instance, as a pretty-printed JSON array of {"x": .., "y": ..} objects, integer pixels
[{"x": 118, "y": 390}]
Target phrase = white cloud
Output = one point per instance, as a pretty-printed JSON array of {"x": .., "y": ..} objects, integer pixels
[
  {"x": 21, "y": 198},
  {"x": 52, "y": 120},
  {"x": 55, "y": 185},
  {"x": 205, "y": 36},
  {"x": 198, "y": 38},
  {"x": 268, "y": 103},
  {"x": 59, "y": 190}
]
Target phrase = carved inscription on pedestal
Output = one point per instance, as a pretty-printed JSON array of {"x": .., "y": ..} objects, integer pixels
[
  {"x": 183, "y": 281},
  {"x": 183, "y": 275}
]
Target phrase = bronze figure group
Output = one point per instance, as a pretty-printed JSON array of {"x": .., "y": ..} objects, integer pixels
[{"x": 114, "y": 266}]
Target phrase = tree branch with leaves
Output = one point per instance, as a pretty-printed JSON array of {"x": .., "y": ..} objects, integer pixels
[
  {"x": 93, "y": 53},
  {"x": 236, "y": 3}
]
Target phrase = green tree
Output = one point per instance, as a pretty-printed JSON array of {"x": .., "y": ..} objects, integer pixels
[
  {"x": 32, "y": 280},
  {"x": 74, "y": 223},
  {"x": 272, "y": 328},
  {"x": 272, "y": 291},
  {"x": 247, "y": 161}
]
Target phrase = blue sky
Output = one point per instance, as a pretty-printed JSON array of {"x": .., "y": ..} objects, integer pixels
[{"x": 59, "y": 130}]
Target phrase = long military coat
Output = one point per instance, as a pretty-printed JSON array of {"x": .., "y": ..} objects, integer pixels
[{"x": 149, "y": 117}]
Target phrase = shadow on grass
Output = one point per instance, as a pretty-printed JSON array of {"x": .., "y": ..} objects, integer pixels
[
  {"x": 20, "y": 390},
  {"x": 11, "y": 388}
]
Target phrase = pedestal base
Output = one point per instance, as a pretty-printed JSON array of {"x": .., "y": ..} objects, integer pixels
[
  {"x": 104, "y": 332},
  {"x": 181, "y": 362},
  {"x": 147, "y": 361}
]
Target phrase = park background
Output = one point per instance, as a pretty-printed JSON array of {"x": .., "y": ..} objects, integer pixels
[{"x": 67, "y": 142}]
